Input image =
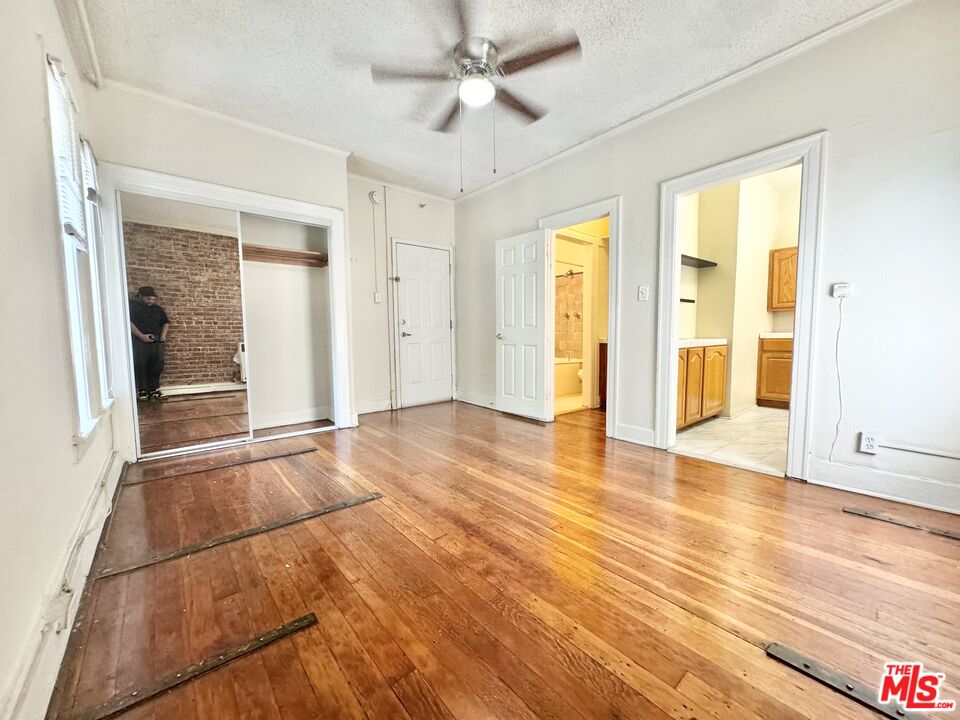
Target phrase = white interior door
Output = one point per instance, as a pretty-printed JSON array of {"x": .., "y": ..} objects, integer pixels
[
  {"x": 524, "y": 380},
  {"x": 424, "y": 332}
]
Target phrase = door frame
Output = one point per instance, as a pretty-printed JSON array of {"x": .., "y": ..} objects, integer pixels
[
  {"x": 611, "y": 206},
  {"x": 811, "y": 152},
  {"x": 115, "y": 179},
  {"x": 394, "y": 300}
]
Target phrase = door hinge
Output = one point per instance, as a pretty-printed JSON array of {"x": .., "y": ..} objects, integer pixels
[{"x": 451, "y": 324}]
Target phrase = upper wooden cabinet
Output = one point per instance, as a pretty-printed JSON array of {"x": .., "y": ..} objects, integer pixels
[
  {"x": 782, "y": 279},
  {"x": 702, "y": 383}
]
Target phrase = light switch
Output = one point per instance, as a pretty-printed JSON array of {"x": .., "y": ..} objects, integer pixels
[
  {"x": 378, "y": 297},
  {"x": 643, "y": 293}
]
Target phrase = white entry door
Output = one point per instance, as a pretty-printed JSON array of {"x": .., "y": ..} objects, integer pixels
[
  {"x": 424, "y": 332},
  {"x": 524, "y": 379}
]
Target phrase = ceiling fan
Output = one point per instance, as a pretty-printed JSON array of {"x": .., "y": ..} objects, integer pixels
[{"x": 476, "y": 63}]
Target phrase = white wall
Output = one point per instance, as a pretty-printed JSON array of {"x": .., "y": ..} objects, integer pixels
[
  {"x": 688, "y": 237},
  {"x": 287, "y": 316},
  {"x": 886, "y": 93},
  {"x": 788, "y": 230},
  {"x": 175, "y": 214},
  {"x": 131, "y": 127},
  {"x": 716, "y": 286},
  {"x": 399, "y": 216},
  {"x": 757, "y": 224},
  {"x": 49, "y": 488}
]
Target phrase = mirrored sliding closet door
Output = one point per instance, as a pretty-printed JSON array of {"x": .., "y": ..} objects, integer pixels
[{"x": 186, "y": 339}]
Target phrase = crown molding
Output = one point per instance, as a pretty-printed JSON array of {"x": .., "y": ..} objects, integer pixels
[
  {"x": 76, "y": 27},
  {"x": 133, "y": 89}
]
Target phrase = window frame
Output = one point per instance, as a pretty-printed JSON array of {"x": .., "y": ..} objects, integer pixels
[{"x": 74, "y": 169}]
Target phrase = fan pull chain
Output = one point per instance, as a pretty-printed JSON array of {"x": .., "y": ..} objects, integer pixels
[
  {"x": 460, "y": 124},
  {"x": 494, "y": 107}
]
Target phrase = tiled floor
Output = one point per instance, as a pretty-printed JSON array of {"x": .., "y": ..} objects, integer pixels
[
  {"x": 755, "y": 440},
  {"x": 568, "y": 404}
]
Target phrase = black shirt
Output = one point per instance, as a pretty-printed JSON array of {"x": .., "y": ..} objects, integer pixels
[{"x": 149, "y": 319}]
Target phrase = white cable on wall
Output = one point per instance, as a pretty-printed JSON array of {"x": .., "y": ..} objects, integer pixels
[
  {"x": 836, "y": 359},
  {"x": 375, "y": 199}
]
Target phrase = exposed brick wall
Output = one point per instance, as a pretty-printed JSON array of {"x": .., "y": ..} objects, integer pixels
[{"x": 197, "y": 276}]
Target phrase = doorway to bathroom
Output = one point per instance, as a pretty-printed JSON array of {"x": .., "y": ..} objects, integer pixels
[{"x": 581, "y": 262}]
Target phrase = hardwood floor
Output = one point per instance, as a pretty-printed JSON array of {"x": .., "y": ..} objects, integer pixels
[
  {"x": 510, "y": 570},
  {"x": 183, "y": 420}
]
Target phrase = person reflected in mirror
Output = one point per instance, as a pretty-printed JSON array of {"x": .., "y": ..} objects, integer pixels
[{"x": 149, "y": 325}]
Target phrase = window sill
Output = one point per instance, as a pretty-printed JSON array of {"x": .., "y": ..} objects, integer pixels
[{"x": 89, "y": 426}]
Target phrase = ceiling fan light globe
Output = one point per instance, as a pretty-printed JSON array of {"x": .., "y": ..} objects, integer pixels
[{"x": 476, "y": 90}]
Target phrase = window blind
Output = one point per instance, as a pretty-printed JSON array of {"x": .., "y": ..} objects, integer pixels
[{"x": 67, "y": 160}]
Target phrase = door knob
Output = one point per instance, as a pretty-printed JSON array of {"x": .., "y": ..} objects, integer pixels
[{"x": 405, "y": 334}]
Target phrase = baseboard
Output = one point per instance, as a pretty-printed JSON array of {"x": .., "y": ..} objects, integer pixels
[
  {"x": 909, "y": 489},
  {"x": 781, "y": 404},
  {"x": 635, "y": 434},
  {"x": 204, "y": 388},
  {"x": 35, "y": 678},
  {"x": 475, "y": 398},
  {"x": 372, "y": 406},
  {"x": 272, "y": 420}
]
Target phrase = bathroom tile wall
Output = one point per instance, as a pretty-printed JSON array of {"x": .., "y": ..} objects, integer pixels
[{"x": 569, "y": 320}]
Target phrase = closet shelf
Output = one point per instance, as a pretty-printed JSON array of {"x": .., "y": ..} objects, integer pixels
[
  {"x": 285, "y": 256},
  {"x": 695, "y": 262}
]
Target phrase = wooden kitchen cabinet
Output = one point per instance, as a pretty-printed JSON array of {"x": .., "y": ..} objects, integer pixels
[
  {"x": 782, "y": 279},
  {"x": 714, "y": 379},
  {"x": 693, "y": 404},
  {"x": 681, "y": 387},
  {"x": 702, "y": 383},
  {"x": 774, "y": 372}
]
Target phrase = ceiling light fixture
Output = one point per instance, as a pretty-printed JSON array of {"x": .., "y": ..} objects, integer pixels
[{"x": 476, "y": 89}]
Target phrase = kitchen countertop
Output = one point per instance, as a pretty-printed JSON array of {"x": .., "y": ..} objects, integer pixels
[
  {"x": 776, "y": 335},
  {"x": 701, "y": 342}
]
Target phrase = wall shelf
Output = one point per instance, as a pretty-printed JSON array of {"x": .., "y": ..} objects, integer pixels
[
  {"x": 270, "y": 254},
  {"x": 695, "y": 262}
]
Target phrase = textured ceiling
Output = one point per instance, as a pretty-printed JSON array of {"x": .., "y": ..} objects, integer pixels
[{"x": 302, "y": 67}]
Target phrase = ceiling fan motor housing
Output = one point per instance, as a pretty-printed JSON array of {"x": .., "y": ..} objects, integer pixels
[{"x": 476, "y": 56}]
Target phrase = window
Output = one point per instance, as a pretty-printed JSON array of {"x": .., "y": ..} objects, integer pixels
[{"x": 78, "y": 198}]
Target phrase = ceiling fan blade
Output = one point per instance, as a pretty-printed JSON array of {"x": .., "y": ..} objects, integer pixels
[
  {"x": 447, "y": 121},
  {"x": 381, "y": 74},
  {"x": 541, "y": 54},
  {"x": 529, "y": 111},
  {"x": 460, "y": 12}
]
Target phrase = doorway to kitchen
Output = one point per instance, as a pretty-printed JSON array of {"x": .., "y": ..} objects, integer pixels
[{"x": 738, "y": 258}]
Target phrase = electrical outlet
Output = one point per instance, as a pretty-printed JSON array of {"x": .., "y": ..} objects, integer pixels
[
  {"x": 869, "y": 443},
  {"x": 643, "y": 293}
]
